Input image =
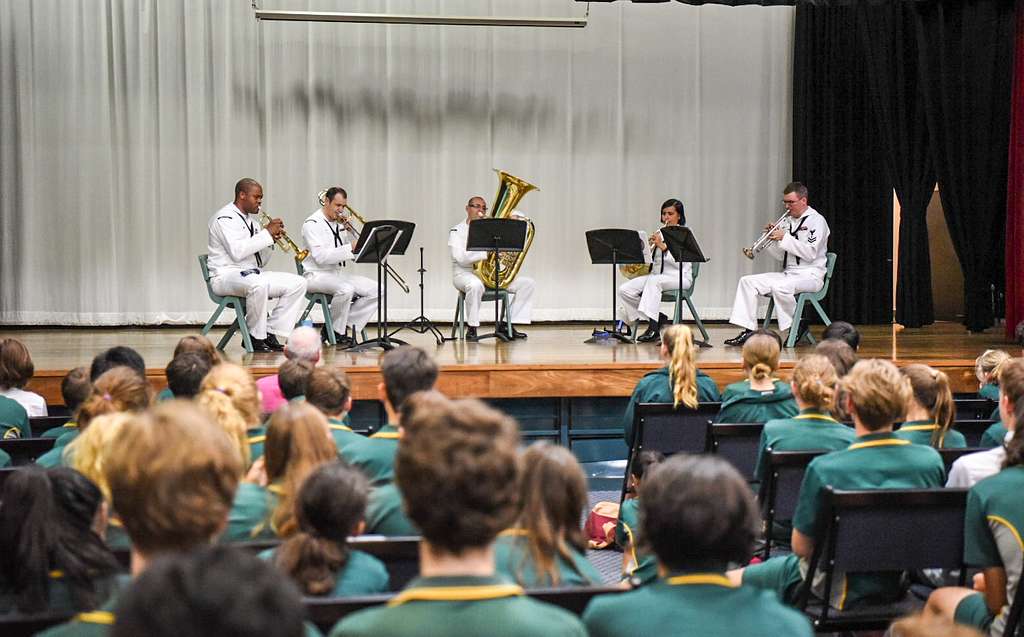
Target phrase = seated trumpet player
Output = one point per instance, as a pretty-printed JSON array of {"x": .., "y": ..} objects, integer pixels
[
  {"x": 800, "y": 240},
  {"x": 640, "y": 298},
  {"x": 238, "y": 250},
  {"x": 331, "y": 241}
]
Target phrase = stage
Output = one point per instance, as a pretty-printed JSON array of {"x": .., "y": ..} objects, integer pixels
[{"x": 553, "y": 362}]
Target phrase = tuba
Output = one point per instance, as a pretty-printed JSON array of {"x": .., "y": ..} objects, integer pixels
[{"x": 511, "y": 190}]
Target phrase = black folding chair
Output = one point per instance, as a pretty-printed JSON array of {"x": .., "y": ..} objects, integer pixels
[
  {"x": 401, "y": 556},
  {"x": 972, "y": 430},
  {"x": 974, "y": 408},
  {"x": 949, "y": 456},
  {"x": 574, "y": 600},
  {"x": 881, "y": 530},
  {"x": 41, "y": 424},
  {"x": 18, "y": 625},
  {"x": 25, "y": 450},
  {"x": 1014, "y": 627},
  {"x": 738, "y": 443},
  {"x": 780, "y": 491}
]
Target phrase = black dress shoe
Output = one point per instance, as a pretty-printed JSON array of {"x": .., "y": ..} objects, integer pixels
[
  {"x": 662, "y": 319},
  {"x": 740, "y": 338},
  {"x": 503, "y": 329},
  {"x": 649, "y": 336},
  {"x": 471, "y": 334},
  {"x": 260, "y": 345},
  {"x": 271, "y": 342},
  {"x": 343, "y": 340}
]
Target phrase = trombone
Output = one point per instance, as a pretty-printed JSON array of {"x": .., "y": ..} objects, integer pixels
[
  {"x": 763, "y": 241},
  {"x": 391, "y": 272}
]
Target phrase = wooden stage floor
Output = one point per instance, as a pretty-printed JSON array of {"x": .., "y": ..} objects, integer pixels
[{"x": 553, "y": 362}]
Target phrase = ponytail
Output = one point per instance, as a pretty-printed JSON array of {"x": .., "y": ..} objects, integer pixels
[
  {"x": 222, "y": 410},
  {"x": 312, "y": 562},
  {"x": 761, "y": 356},
  {"x": 814, "y": 379},
  {"x": 682, "y": 367},
  {"x": 931, "y": 390}
]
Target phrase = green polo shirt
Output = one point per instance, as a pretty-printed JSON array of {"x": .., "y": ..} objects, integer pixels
[
  {"x": 60, "y": 597},
  {"x": 250, "y": 513},
  {"x": 5, "y": 459},
  {"x": 644, "y": 565},
  {"x": 374, "y": 456},
  {"x": 467, "y": 606},
  {"x": 58, "y": 432},
  {"x": 810, "y": 430},
  {"x": 989, "y": 391},
  {"x": 342, "y": 433},
  {"x": 13, "y": 419},
  {"x": 256, "y": 437},
  {"x": 55, "y": 457},
  {"x": 702, "y": 604},
  {"x": 94, "y": 623},
  {"x": 753, "y": 405},
  {"x": 920, "y": 432},
  {"x": 384, "y": 513},
  {"x": 656, "y": 387},
  {"x": 994, "y": 436},
  {"x": 165, "y": 394},
  {"x": 512, "y": 560},
  {"x": 363, "y": 574}
]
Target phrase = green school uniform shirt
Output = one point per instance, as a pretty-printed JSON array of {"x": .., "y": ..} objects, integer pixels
[
  {"x": 627, "y": 535},
  {"x": 752, "y": 405},
  {"x": 655, "y": 387},
  {"x": 5, "y": 459},
  {"x": 165, "y": 394},
  {"x": 56, "y": 457},
  {"x": 808, "y": 431},
  {"x": 13, "y": 419},
  {"x": 250, "y": 513},
  {"x": 342, "y": 433},
  {"x": 363, "y": 574},
  {"x": 60, "y": 595},
  {"x": 58, "y": 432},
  {"x": 467, "y": 606},
  {"x": 920, "y": 432},
  {"x": 702, "y": 604},
  {"x": 375, "y": 456},
  {"x": 513, "y": 562},
  {"x": 95, "y": 623},
  {"x": 117, "y": 538},
  {"x": 994, "y": 436},
  {"x": 256, "y": 436},
  {"x": 384, "y": 513},
  {"x": 989, "y": 391}
]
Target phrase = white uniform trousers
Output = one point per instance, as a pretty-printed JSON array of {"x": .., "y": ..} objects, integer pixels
[
  {"x": 640, "y": 298},
  {"x": 783, "y": 288},
  {"x": 344, "y": 311},
  {"x": 258, "y": 289},
  {"x": 520, "y": 297}
]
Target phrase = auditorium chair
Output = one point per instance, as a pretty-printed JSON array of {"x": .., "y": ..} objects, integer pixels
[
  {"x": 814, "y": 298},
  {"x": 18, "y": 625},
  {"x": 780, "y": 491},
  {"x": 459, "y": 322},
  {"x": 738, "y": 443},
  {"x": 949, "y": 456},
  {"x": 1014, "y": 627},
  {"x": 974, "y": 408},
  {"x": 42, "y": 424},
  {"x": 972, "y": 430},
  {"x": 678, "y": 297},
  {"x": 25, "y": 450},
  {"x": 236, "y": 303}
]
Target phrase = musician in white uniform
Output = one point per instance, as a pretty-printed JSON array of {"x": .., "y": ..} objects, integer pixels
[
  {"x": 238, "y": 251},
  {"x": 801, "y": 245},
  {"x": 331, "y": 239},
  {"x": 465, "y": 280},
  {"x": 640, "y": 298}
]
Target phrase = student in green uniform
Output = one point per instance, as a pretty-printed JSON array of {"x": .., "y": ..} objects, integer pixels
[
  {"x": 13, "y": 419},
  {"x": 384, "y": 513},
  {"x": 876, "y": 396},
  {"x": 192, "y": 344},
  {"x": 229, "y": 394},
  {"x": 843, "y": 358},
  {"x": 172, "y": 475},
  {"x": 318, "y": 559},
  {"x": 931, "y": 411},
  {"x": 760, "y": 397},
  {"x": 330, "y": 390},
  {"x": 74, "y": 389},
  {"x": 226, "y": 592},
  {"x": 986, "y": 368},
  {"x": 405, "y": 371},
  {"x": 698, "y": 515},
  {"x": 545, "y": 546},
  {"x": 53, "y": 558},
  {"x": 678, "y": 382},
  {"x": 456, "y": 469},
  {"x": 639, "y": 565},
  {"x": 185, "y": 374},
  {"x": 292, "y": 376},
  {"x": 993, "y": 526}
]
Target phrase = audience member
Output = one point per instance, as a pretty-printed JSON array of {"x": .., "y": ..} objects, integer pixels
[
  {"x": 456, "y": 470},
  {"x": 228, "y": 393},
  {"x": 74, "y": 389},
  {"x": 839, "y": 353},
  {"x": 931, "y": 410},
  {"x": 292, "y": 377},
  {"x": 16, "y": 369},
  {"x": 842, "y": 331},
  {"x": 698, "y": 516},
  {"x": 329, "y": 390},
  {"x": 986, "y": 368},
  {"x": 760, "y": 397},
  {"x": 185, "y": 374},
  {"x": 303, "y": 344},
  {"x": 119, "y": 356},
  {"x": 639, "y": 565},
  {"x": 679, "y": 382},
  {"x": 13, "y": 419},
  {"x": 192, "y": 344},
  {"x": 876, "y": 397},
  {"x": 329, "y": 510},
  {"x": 546, "y": 547},
  {"x": 921, "y": 626}
]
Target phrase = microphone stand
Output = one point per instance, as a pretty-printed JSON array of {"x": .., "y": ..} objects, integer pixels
[{"x": 421, "y": 324}]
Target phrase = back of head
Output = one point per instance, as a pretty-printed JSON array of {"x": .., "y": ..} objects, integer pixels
[
  {"x": 172, "y": 476},
  {"x": 303, "y": 344},
  {"x": 843, "y": 331},
  {"x": 75, "y": 388},
  {"x": 697, "y": 513},
  {"x": 406, "y": 370},
  {"x": 116, "y": 390},
  {"x": 1011, "y": 385},
  {"x": 16, "y": 366},
  {"x": 185, "y": 373},
  {"x": 213, "y": 591},
  {"x": 988, "y": 364},
  {"x": 230, "y": 396},
  {"x": 682, "y": 366},
  {"x": 644, "y": 462},
  {"x": 761, "y": 356},
  {"x": 293, "y": 376},
  {"x": 328, "y": 389},
  {"x": 195, "y": 344},
  {"x": 839, "y": 353},
  {"x": 878, "y": 391},
  {"x": 921, "y": 626},
  {"x": 814, "y": 379},
  {"x": 88, "y": 452},
  {"x": 456, "y": 469},
  {"x": 930, "y": 388},
  {"x": 119, "y": 356}
]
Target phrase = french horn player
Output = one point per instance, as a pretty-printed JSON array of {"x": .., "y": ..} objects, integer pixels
[{"x": 331, "y": 240}]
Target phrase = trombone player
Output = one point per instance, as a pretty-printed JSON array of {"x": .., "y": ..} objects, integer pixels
[
  {"x": 800, "y": 241},
  {"x": 331, "y": 240}
]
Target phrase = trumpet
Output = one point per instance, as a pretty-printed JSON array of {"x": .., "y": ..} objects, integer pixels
[
  {"x": 763, "y": 241},
  {"x": 284, "y": 241}
]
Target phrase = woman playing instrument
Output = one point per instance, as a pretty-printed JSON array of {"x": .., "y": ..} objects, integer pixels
[{"x": 640, "y": 298}]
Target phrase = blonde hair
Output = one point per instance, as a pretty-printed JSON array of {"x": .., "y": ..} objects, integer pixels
[
  {"x": 230, "y": 396},
  {"x": 920, "y": 626},
  {"x": 930, "y": 388},
  {"x": 878, "y": 391},
  {"x": 988, "y": 365},
  {"x": 761, "y": 356},
  {"x": 87, "y": 453},
  {"x": 682, "y": 367},
  {"x": 814, "y": 379}
]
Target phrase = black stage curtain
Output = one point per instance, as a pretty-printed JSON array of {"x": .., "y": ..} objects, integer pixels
[{"x": 837, "y": 153}]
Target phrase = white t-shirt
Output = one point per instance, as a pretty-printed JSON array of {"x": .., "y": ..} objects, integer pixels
[
  {"x": 968, "y": 470},
  {"x": 33, "y": 403}
]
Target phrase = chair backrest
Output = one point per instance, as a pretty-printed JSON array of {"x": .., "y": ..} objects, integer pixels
[
  {"x": 972, "y": 430},
  {"x": 781, "y": 490},
  {"x": 662, "y": 427},
  {"x": 694, "y": 273},
  {"x": 974, "y": 408},
  {"x": 18, "y": 625},
  {"x": 1014, "y": 627},
  {"x": 299, "y": 268},
  {"x": 401, "y": 556},
  {"x": 574, "y": 600},
  {"x": 203, "y": 258},
  {"x": 949, "y": 456},
  {"x": 26, "y": 450},
  {"x": 40, "y": 424},
  {"x": 738, "y": 443},
  {"x": 830, "y": 266}
]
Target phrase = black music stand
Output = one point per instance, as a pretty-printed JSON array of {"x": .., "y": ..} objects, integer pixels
[
  {"x": 497, "y": 236},
  {"x": 684, "y": 249},
  {"x": 421, "y": 324},
  {"x": 616, "y": 246},
  {"x": 377, "y": 241}
]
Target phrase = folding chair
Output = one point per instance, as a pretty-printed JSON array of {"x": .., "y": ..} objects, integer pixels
[
  {"x": 949, "y": 456},
  {"x": 678, "y": 297},
  {"x": 974, "y": 408},
  {"x": 973, "y": 430},
  {"x": 1014, "y": 627},
  {"x": 401, "y": 556},
  {"x": 26, "y": 450},
  {"x": 738, "y": 443},
  {"x": 780, "y": 491},
  {"x": 236, "y": 303},
  {"x": 18, "y": 625},
  {"x": 459, "y": 322},
  {"x": 315, "y": 298},
  {"x": 806, "y": 297}
]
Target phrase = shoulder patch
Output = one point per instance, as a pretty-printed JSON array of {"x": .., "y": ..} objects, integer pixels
[
  {"x": 225, "y": 217},
  {"x": 310, "y": 220}
]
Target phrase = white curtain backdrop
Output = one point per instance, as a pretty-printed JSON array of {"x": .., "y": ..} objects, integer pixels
[{"x": 124, "y": 125}]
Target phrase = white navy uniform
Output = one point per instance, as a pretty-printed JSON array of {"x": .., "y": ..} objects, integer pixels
[
  {"x": 465, "y": 280},
  {"x": 238, "y": 249},
  {"x": 640, "y": 298},
  {"x": 330, "y": 246},
  {"x": 803, "y": 252}
]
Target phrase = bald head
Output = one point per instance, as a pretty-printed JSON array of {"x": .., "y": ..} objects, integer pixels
[
  {"x": 476, "y": 208},
  {"x": 303, "y": 344}
]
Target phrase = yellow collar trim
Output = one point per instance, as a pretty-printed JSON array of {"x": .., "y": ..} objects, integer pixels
[
  {"x": 340, "y": 427},
  {"x": 56, "y": 574},
  {"x": 389, "y": 435},
  {"x": 514, "y": 533},
  {"x": 255, "y": 439},
  {"x": 1006, "y": 523},
  {"x": 70, "y": 425},
  {"x": 919, "y": 428},
  {"x": 700, "y": 578},
  {"x": 115, "y": 522},
  {"x": 456, "y": 593},
  {"x": 96, "y": 617},
  {"x": 276, "y": 489},
  {"x": 815, "y": 417},
  {"x": 879, "y": 443}
]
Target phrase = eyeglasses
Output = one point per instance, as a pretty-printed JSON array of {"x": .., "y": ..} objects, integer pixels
[{"x": 478, "y": 205}]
